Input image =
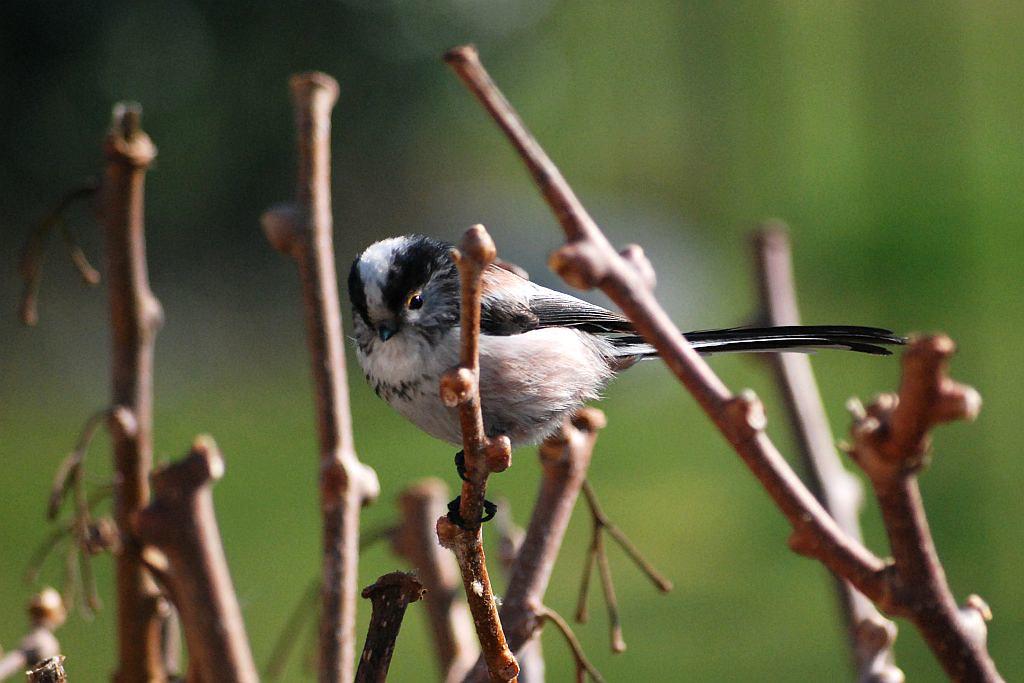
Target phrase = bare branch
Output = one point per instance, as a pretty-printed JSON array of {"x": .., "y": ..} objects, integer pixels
[
  {"x": 588, "y": 260},
  {"x": 390, "y": 595},
  {"x": 583, "y": 664},
  {"x": 451, "y": 626},
  {"x": 33, "y": 252},
  {"x": 183, "y": 549},
  {"x": 870, "y": 634},
  {"x": 46, "y": 613},
  {"x": 135, "y": 317},
  {"x": 565, "y": 458},
  {"x": 460, "y": 388},
  {"x": 890, "y": 440},
  {"x": 304, "y": 232}
]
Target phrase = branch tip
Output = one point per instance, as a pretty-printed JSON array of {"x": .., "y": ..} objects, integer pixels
[
  {"x": 462, "y": 54},
  {"x": 314, "y": 86}
]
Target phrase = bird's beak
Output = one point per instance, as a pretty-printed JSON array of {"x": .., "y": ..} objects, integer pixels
[{"x": 386, "y": 330}]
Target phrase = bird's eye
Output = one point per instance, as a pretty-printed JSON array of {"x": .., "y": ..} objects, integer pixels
[{"x": 415, "y": 302}]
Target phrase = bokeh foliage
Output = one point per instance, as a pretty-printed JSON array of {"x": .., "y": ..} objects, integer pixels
[{"x": 888, "y": 134}]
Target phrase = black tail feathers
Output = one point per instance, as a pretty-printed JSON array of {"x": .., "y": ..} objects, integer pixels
[{"x": 804, "y": 338}]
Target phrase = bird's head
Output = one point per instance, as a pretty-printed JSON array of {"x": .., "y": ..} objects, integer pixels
[{"x": 402, "y": 284}]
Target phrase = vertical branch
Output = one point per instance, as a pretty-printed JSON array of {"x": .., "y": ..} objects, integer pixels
[
  {"x": 304, "y": 231},
  {"x": 183, "y": 548},
  {"x": 390, "y": 595},
  {"x": 135, "y": 316},
  {"x": 890, "y": 441},
  {"x": 565, "y": 458},
  {"x": 460, "y": 387},
  {"x": 450, "y": 624},
  {"x": 869, "y": 633}
]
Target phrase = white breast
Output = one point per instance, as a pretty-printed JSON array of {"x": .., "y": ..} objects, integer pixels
[{"x": 528, "y": 381}]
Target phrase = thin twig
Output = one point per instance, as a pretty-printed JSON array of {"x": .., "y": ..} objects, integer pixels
[
  {"x": 460, "y": 387},
  {"x": 583, "y": 664},
  {"x": 46, "y": 612},
  {"x": 870, "y": 634},
  {"x": 588, "y": 260},
  {"x": 183, "y": 548},
  {"x": 597, "y": 556},
  {"x": 34, "y": 251},
  {"x": 304, "y": 231},
  {"x": 390, "y": 595},
  {"x": 135, "y": 317},
  {"x": 451, "y": 625}
]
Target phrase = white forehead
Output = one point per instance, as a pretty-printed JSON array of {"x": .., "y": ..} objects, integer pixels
[{"x": 374, "y": 264}]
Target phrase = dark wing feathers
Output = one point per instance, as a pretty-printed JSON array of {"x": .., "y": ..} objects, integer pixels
[{"x": 513, "y": 305}]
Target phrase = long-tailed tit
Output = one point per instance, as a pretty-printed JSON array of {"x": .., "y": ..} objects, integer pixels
[{"x": 543, "y": 353}]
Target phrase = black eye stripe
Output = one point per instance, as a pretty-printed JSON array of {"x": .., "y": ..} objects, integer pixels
[
  {"x": 412, "y": 267},
  {"x": 356, "y": 292}
]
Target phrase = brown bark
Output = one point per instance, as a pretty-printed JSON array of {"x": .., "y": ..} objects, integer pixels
[
  {"x": 588, "y": 260},
  {"x": 870, "y": 634},
  {"x": 565, "y": 458},
  {"x": 183, "y": 548},
  {"x": 135, "y": 317},
  {"x": 304, "y": 232},
  {"x": 390, "y": 595},
  {"x": 451, "y": 626},
  {"x": 460, "y": 388}
]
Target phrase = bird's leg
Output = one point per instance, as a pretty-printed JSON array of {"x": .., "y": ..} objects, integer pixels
[
  {"x": 490, "y": 509},
  {"x": 460, "y": 465}
]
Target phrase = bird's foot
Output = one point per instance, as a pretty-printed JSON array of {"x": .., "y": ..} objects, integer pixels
[
  {"x": 460, "y": 465},
  {"x": 490, "y": 509}
]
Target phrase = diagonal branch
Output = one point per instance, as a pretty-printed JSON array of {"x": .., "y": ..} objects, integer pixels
[
  {"x": 390, "y": 596},
  {"x": 304, "y": 232},
  {"x": 588, "y": 260},
  {"x": 870, "y": 634},
  {"x": 135, "y": 317},
  {"x": 460, "y": 387},
  {"x": 583, "y": 665}
]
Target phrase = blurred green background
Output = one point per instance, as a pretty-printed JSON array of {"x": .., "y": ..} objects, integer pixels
[{"x": 889, "y": 135}]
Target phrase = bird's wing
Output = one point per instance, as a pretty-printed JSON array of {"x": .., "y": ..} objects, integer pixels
[{"x": 513, "y": 305}]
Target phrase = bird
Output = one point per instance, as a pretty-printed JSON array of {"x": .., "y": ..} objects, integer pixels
[{"x": 543, "y": 353}]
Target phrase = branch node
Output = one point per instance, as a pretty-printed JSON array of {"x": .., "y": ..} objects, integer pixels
[
  {"x": 458, "y": 386},
  {"x": 744, "y": 416},
  {"x": 634, "y": 255},
  {"x": 580, "y": 263},
  {"x": 498, "y": 453},
  {"x": 122, "y": 423},
  {"x": 283, "y": 229}
]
